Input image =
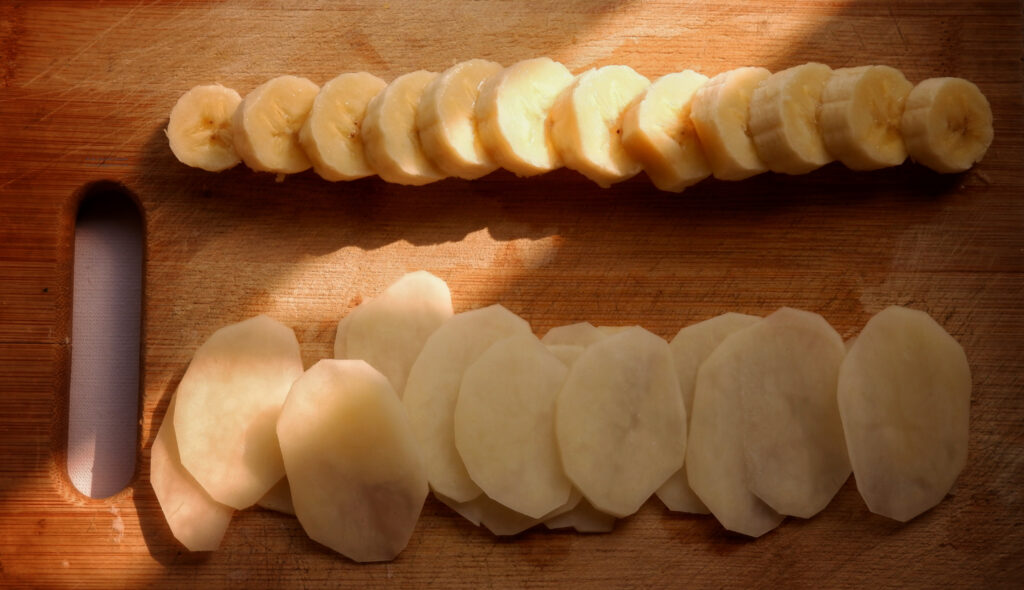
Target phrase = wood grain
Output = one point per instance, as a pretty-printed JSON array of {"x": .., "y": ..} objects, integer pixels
[{"x": 86, "y": 88}]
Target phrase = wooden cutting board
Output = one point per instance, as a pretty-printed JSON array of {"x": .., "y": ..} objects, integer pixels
[{"x": 86, "y": 89}]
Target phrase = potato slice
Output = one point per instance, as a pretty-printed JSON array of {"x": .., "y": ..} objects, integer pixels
[
  {"x": 356, "y": 477},
  {"x": 715, "y": 465},
  {"x": 620, "y": 420},
  {"x": 279, "y": 498},
  {"x": 500, "y": 519},
  {"x": 690, "y": 347},
  {"x": 494, "y": 516},
  {"x": 584, "y": 518},
  {"x": 567, "y": 353},
  {"x": 904, "y": 398},
  {"x": 228, "y": 403},
  {"x": 505, "y": 425},
  {"x": 196, "y": 520},
  {"x": 432, "y": 391},
  {"x": 786, "y": 372},
  {"x": 389, "y": 330},
  {"x": 580, "y": 334}
]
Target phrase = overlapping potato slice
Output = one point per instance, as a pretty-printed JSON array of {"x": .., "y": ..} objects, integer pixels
[
  {"x": 505, "y": 425},
  {"x": 620, "y": 420},
  {"x": 690, "y": 347},
  {"x": 227, "y": 404},
  {"x": 196, "y": 520},
  {"x": 356, "y": 477},
  {"x": 786, "y": 372},
  {"x": 389, "y": 330},
  {"x": 432, "y": 391}
]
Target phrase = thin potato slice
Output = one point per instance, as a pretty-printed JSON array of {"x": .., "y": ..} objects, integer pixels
[
  {"x": 389, "y": 330},
  {"x": 196, "y": 520},
  {"x": 279, "y": 498},
  {"x": 620, "y": 420},
  {"x": 432, "y": 391},
  {"x": 690, "y": 347},
  {"x": 584, "y": 518},
  {"x": 567, "y": 353},
  {"x": 494, "y": 516},
  {"x": 579, "y": 334},
  {"x": 786, "y": 371},
  {"x": 356, "y": 478},
  {"x": 228, "y": 403},
  {"x": 500, "y": 519},
  {"x": 505, "y": 425},
  {"x": 904, "y": 398},
  {"x": 715, "y": 464}
]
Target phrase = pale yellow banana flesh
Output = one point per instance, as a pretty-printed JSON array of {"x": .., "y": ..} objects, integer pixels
[
  {"x": 586, "y": 123},
  {"x": 331, "y": 134},
  {"x": 266, "y": 125},
  {"x": 947, "y": 124},
  {"x": 199, "y": 130},
  {"x": 390, "y": 140},
  {"x": 512, "y": 114},
  {"x": 658, "y": 133},
  {"x": 784, "y": 119},
  {"x": 607, "y": 123},
  {"x": 446, "y": 119},
  {"x": 860, "y": 116},
  {"x": 721, "y": 115}
]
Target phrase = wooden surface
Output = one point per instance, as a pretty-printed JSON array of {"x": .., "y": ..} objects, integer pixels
[{"x": 86, "y": 88}]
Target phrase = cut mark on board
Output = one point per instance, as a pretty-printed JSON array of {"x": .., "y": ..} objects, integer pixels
[{"x": 106, "y": 324}]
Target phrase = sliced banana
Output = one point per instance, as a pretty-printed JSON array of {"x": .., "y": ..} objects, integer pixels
[
  {"x": 199, "y": 129},
  {"x": 860, "y": 116},
  {"x": 446, "y": 119},
  {"x": 784, "y": 119},
  {"x": 586, "y": 123},
  {"x": 721, "y": 114},
  {"x": 266, "y": 125},
  {"x": 512, "y": 114},
  {"x": 658, "y": 133},
  {"x": 390, "y": 140},
  {"x": 331, "y": 134},
  {"x": 947, "y": 124}
]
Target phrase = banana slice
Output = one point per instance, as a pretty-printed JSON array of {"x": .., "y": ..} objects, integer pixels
[
  {"x": 266, "y": 125},
  {"x": 390, "y": 140},
  {"x": 860, "y": 116},
  {"x": 947, "y": 124},
  {"x": 784, "y": 119},
  {"x": 446, "y": 119},
  {"x": 586, "y": 123},
  {"x": 512, "y": 113},
  {"x": 330, "y": 136},
  {"x": 721, "y": 114},
  {"x": 199, "y": 130},
  {"x": 658, "y": 133}
]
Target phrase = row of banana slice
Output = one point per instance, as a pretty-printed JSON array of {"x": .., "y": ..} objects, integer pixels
[{"x": 607, "y": 123}]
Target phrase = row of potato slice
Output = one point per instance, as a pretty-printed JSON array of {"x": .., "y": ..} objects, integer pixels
[{"x": 751, "y": 419}]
